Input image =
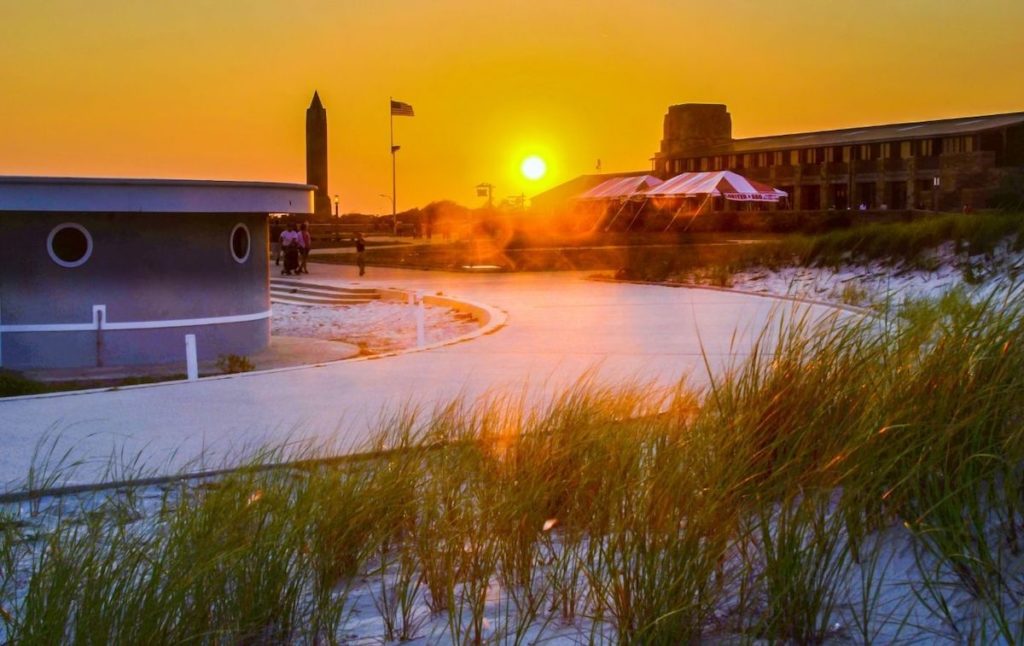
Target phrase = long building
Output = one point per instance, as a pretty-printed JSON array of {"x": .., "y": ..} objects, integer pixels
[{"x": 942, "y": 164}]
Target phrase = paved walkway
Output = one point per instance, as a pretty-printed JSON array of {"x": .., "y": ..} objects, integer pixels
[{"x": 558, "y": 327}]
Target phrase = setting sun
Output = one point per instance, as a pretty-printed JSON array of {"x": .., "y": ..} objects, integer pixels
[{"x": 533, "y": 167}]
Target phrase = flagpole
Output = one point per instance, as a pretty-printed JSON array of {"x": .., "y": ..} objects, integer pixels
[{"x": 394, "y": 194}]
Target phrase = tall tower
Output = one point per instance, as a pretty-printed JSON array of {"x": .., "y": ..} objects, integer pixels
[
  {"x": 316, "y": 155},
  {"x": 693, "y": 127}
]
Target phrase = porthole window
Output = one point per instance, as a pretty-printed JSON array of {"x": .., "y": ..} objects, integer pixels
[
  {"x": 240, "y": 243},
  {"x": 69, "y": 244}
]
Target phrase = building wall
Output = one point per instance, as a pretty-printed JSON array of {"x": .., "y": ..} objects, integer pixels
[
  {"x": 897, "y": 173},
  {"x": 143, "y": 267},
  {"x": 965, "y": 177}
]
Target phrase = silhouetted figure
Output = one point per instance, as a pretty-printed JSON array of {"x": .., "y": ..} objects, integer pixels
[{"x": 360, "y": 254}]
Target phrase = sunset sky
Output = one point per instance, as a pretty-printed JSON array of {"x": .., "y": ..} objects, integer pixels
[{"x": 218, "y": 89}]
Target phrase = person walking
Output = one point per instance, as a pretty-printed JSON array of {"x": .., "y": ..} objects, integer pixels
[
  {"x": 305, "y": 243},
  {"x": 360, "y": 253},
  {"x": 290, "y": 247}
]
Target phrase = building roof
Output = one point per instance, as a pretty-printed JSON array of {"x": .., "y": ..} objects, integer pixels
[
  {"x": 119, "y": 195},
  {"x": 870, "y": 134}
]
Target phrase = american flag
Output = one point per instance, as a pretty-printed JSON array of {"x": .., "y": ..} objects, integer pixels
[{"x": 400, "y": 109}]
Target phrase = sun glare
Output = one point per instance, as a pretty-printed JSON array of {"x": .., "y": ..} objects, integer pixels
[{"x": 533, "y": 167}]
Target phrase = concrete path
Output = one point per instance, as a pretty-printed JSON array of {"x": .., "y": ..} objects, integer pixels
[{"x": 558, "y": 327}]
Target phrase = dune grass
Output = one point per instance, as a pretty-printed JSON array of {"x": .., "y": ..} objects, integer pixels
[{"x": 852, "y": 479}]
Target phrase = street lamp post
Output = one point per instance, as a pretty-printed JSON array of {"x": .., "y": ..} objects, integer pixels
[
  {"x": 335, "y": 206},
  {"x": 935, "y": 193}
]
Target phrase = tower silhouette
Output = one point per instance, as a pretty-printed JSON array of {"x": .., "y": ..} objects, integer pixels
[{"x": 316, "y": 155}]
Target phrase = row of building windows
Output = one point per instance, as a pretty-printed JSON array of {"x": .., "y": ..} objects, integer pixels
[
  {"x": 70, "y": 244},
  {"x": 829, "y": 154}
]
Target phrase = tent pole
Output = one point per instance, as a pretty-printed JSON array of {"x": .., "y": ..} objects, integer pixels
[
  {"x": 673, "y": 220},
  {"x": 699, "y": 209},
  {"x": 612, "y": 221},
  {"x": 636, "y": 215}
]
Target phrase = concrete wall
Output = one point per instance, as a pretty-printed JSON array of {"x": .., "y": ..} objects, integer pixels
[{"x": 143, "y": 267}]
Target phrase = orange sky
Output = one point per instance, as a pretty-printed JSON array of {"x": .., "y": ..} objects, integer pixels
[{"x": 218, "y": 89}]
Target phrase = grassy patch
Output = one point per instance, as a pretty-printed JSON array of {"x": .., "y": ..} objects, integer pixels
[{"x": 13, "y": 384}]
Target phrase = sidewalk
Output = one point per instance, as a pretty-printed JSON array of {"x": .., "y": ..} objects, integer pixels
[{"x": 559, "y": 327}]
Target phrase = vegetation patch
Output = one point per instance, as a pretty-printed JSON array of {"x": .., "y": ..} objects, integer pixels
[{"x": 233, "y": 363}]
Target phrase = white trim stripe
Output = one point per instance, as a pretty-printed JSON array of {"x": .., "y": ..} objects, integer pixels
[{"x": 135, "y": 325}]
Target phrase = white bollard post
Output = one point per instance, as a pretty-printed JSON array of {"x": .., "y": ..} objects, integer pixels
[
  {"x": 191, "y": 363},
  {"x": 99, "y": 319},
  {"x": 421, "y": 322}
]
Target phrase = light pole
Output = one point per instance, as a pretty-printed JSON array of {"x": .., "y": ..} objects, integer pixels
[
  {"x": 394, "y": 189},
  {"x": 935, "y": 193},
  {"x": 335, "y": 206},
  {"x": 402, "y": 110}
]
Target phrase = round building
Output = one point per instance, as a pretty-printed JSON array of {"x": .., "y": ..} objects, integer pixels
[{"x": 108, "y": 272}]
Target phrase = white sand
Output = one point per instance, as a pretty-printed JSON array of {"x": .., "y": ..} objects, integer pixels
[
  {"x": 377, "y": 326},
  {"x": 876, "y": 284}
]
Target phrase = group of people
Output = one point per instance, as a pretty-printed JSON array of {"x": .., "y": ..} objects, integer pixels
[{"x": 294, "y": 244}]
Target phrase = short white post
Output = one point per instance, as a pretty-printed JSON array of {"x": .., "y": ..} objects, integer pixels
[
  {"x": 191, "y": 362},
  {"x": 421, "y": 322},
  {"x": 99, "y": 319}
]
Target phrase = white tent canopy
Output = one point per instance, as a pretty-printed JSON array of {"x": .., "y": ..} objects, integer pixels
[
  {"x": 620, "y": 188},
  {"x": 727, "y": 184}
]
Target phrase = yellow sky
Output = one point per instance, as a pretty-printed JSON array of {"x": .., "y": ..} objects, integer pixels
[{"x": 218, "y": 89}]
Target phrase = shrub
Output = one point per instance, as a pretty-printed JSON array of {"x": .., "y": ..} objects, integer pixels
[
  {"x": 233, "y": 363},
  {"x": 13, "y": 384}
]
